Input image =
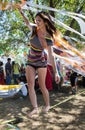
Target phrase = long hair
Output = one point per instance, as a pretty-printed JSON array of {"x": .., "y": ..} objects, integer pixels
[{"x": 48, "y": 23}]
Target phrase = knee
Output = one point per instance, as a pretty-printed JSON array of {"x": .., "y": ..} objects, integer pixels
[
  {"x": 43, "y": 89},
  {"x": 31, "y": 89},
  {"x": 30, "y": 84}
]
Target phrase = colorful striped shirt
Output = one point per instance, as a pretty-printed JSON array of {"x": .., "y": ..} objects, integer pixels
[{"x": 36, "y": 56}]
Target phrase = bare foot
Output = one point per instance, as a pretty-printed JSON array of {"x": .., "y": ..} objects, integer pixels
[
  {"x": 46, "y": 109},
  {"x": 33, "y": 112}
]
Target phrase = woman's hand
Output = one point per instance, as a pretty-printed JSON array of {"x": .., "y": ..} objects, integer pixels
[
  {"x": 57, "y": 78},
  {"x": 19, "y": 8}
]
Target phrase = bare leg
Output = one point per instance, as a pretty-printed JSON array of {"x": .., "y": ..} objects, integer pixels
[
  {"x": 42, "y": 76},
  {"x": 30, "y": 76}
]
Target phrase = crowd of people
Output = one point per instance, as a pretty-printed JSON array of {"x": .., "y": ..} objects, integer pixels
[{"x": 10, "y": 71}]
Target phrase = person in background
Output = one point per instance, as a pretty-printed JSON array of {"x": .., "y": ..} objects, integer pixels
[
  {"x": 22, "y": 72},
  {"x": 15, "y": 71},
  {"x": 42, "y": 38},
  {"x": 60, "y": 71},
  {"x": 8, "y": 71},
  {"x": 23, "y": 91},
  {"x": 73, "y": 81},
  {"x": 49, "y": 75},
  {"x": 2, "y": 74}
]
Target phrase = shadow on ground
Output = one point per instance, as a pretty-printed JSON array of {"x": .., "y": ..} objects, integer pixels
[{"x": 69, "y": 115}]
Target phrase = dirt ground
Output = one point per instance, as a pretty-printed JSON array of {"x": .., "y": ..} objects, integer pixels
[{"x": 67, "y": 114}]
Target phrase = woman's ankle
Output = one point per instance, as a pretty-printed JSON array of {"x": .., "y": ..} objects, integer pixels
[
  {"x": 34, "y": 111},
  {"x": 35, "y": 108},
  {"x": 46, "y": 109}
]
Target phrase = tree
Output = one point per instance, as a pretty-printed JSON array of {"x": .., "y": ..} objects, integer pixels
[{"x": 13, "y": 31}]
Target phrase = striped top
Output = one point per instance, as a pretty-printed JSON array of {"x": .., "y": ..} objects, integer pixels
[{"x": 36, "y": 56}]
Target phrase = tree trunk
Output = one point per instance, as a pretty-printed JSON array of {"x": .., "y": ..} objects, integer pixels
[
  {"x": 67, "y": 33},
  {"x": 51, "y": 4}
]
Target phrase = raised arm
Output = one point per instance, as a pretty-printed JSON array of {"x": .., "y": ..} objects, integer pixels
[{"x": 25, "y": 18}]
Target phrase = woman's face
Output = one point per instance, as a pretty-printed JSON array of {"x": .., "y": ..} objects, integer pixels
[{"x": 39, "y": 21}]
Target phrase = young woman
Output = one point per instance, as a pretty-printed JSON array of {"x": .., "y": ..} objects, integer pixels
[{"x": 41, "y": 39}]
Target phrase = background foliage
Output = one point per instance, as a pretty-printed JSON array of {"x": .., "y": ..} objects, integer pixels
[{"x": 14, "y": 33}]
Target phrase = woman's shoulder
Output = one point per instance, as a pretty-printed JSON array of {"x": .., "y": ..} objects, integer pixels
[{"x": 34, "y": 27}]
